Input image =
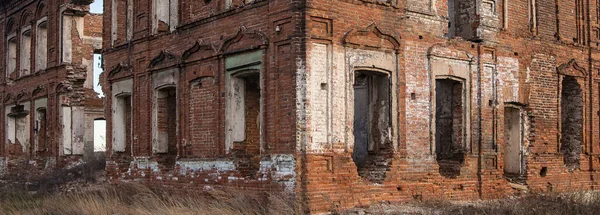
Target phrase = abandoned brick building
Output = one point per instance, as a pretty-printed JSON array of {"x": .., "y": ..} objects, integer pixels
[
  {"x": 46, "y": 92},
  {"x": 352, "y": 102}
]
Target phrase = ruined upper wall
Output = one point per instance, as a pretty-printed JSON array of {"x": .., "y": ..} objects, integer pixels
[
  {"x": 146, "y": 20},
  {"x": 27, "y": 18},
  {"x": 563, "y": 22}
]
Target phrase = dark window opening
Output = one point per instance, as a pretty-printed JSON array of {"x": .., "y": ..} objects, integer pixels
[
  {"x": 41, "y": 131},
  {"x": 544, "y": 171},
  {"x": 166, "y": 100},
  {"x": 372, "y": 125},
  {"x": 571, "y": 122},
  {"x": 451, "y": 18},
  {"x": 449, "y": 123}
]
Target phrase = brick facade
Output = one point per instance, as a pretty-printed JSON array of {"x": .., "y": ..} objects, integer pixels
[
  {"x": 47, "y": 97},
  {"x": 452, "y": 68}
]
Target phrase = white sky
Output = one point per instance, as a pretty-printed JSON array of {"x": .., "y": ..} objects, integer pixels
[
  {"x": 99, "y": 125},
  {"x": 96, "y": 7},
  {"x": 99, "y": 135}
]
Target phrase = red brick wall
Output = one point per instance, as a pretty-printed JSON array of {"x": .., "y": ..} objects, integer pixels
[
  {"x": 202, "y": 107},
  {"x": 331, "y": 179},
  {"x": 512, "y": 65},
  {"x": 56, "y": 79},
  {"x": 206, "y": 36}
]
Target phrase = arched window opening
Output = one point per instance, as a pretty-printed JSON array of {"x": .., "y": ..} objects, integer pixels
[
  {"x": 449, "y": 126},
  {"x": 26, "y": 52},
  {"x": 166, "y": 124},
  {"x": 41, "y": 130},
  {"x": 11, "y": 56},
  {"x": 41, "y": 47},
  {"x": 373, "y": 149},
  {"x": 571, "y": 122}
]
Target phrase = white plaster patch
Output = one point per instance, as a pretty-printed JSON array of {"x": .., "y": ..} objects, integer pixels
[
  {"x": 205, "y": 165},
  {"x": 144, "y": 163},
  {"x": 283, "y": 170},
  {"x": 508, "y": 79},
  {"x": 301, "y": 91},
  {"x": 318, "y": 98}
]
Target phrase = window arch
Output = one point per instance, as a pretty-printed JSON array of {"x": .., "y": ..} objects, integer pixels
[{"x": 41, "y": 10}]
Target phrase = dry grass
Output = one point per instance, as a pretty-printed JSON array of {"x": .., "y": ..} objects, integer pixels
[
  {"x": 584, "y": 203},
  {"x": 132, "y": 198},
  {"x": 139, "y": 199}
]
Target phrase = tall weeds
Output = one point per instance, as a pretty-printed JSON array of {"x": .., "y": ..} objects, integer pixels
[
  {"x": 577, "y": 203},
  {"x": 139, "y": 199}
]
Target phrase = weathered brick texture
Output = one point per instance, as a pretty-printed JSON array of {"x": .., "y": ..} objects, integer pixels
[
  {"x": 50, "y": 107},
  {"x": 533, "y": 59}
]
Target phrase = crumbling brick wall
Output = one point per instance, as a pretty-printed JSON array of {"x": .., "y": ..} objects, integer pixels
[
  {"x": 200, "y": 52},
  {"x": 47, "y": 91},
  {"x": 307, "y": 54}
]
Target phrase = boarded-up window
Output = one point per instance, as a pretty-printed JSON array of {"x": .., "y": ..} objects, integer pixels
[
  {"x": 165, "y": 15},
  {"x": 122, "y": 124},
  {"x": 26, "y": 52},
  {"x": 41, "y": 47},
  {"x": 11, "y": 60},
  {"x": 514, "y": 162}
]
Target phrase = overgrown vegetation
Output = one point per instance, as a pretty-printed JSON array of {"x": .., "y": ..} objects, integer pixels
[
  {"x": 69, "y": 192},
  {"x": 131, "y": 198},
  {"x": 578, "y": 203}
]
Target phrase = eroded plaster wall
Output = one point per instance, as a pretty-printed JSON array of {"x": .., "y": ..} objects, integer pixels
[{"x": 18, "y": 129}]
